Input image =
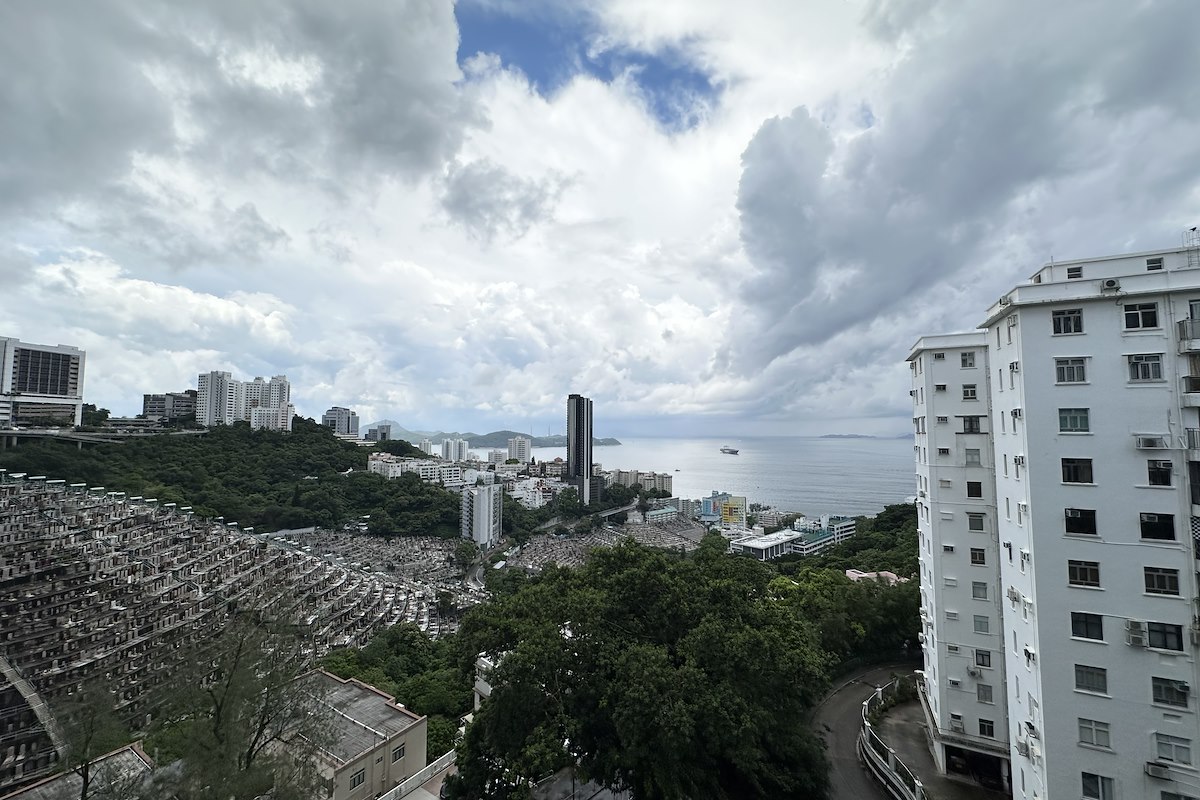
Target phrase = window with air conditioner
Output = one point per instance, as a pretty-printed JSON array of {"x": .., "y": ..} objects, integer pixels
[
  {"x": 1145, "y": 367},
  {"x": 1067, "y": 321},
  {"x": 1141, "y": 315},
  {"x": 1169, "y": 692},
  {"x": 1157, "y": 526},
  {"x": 1080, "y": 520},
  {"x": 1077, "y": 470},
  {"x": 1175, "y": 749},
  {"x": 1074, "y": 420},
  {"x": 1161, "y": 580},
  {"x": 939, "y": 356},
  {"x": 1159, "y": 472},
  {"x": 943, "y": 451},
  {"x": 1085, "y": 625},
  {"x": 1070, "y": 370}
]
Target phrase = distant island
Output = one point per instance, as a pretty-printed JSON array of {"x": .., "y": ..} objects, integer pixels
[{"x": 493, "y": 439}]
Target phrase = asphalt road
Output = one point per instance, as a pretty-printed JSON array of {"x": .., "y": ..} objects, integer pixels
[{"x": 837, "y": 720}]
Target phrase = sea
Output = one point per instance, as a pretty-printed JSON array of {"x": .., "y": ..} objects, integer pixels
[{"x": 810, "y": 475}]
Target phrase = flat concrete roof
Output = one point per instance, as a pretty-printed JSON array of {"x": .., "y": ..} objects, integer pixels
[{"x": 362, "y": 716}]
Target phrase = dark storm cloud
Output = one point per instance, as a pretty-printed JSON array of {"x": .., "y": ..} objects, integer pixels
[
  {"x": 1018, "y": 122},
  {"x": 488, "y": 200}
]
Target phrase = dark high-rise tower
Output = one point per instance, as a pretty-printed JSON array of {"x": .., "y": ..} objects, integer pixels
[{"x": 579, "y": 445}]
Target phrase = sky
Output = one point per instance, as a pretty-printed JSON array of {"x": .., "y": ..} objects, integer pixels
[{"x": 711, "y": 218}]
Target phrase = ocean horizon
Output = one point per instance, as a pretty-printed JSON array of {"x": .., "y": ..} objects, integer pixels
[{"x": 809, "y": 474}]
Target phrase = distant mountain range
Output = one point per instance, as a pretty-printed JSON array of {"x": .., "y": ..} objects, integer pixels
[
  {"x": 493, "y": 439},
  {"x": 863, "y": 436}
]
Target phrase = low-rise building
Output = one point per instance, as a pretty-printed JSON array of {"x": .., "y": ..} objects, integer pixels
[
  {"x": 663, "y": 514},
  {"x": 768, "y": 546},
  {"x": 169, "y": 406},
  {"x": 428, "y": 470},
  {"x": 379, "y": 433},
  {"x": 883, "y": 576}
]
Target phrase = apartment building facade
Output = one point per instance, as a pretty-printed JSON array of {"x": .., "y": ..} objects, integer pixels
[
  {"x": 1094, "y": 433},
  {"x": 482, "y": 514},
  {"x": 343, "y": 421},
  {"x": 222, "y": 400},
  {"x": 40, "y": 383}
]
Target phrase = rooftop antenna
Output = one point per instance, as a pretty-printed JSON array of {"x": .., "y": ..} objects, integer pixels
[{"x": 1191, "y": 245}]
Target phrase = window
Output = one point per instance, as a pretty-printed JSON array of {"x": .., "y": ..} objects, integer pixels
[
  {"x": 1141, "y": 315},
  {"x": 1163, "y": 636},
  {"x": 1158, "y": 526},
  {"x": 1097, "y": 787},
  {"x": 1161, "y": 580},
  {"x": 974, "y": 488},
  {"x": 1091, "y": 679},
  {"x": 981, "y": 624},
  {"x": 1173, "y": 748},
  {"x": 1070, "y": 370},
  {"x": 358, "y": 779},
  {"x": 973, "y": 459},
  {"x": 1080, "y": 520},
  {"x": 1068, "y": 321},
  {"x": 1074, "y": 272},
  {"x": 1094, "y": 733},
  {"x": 1169, "y": 692},
  {"x": 1073, "y": 420},
  {"x": 1087, "y": 626},
  {"x": 943, "y": 420},
  {"x": 974, "y": 523},
  {"x": 939, "y": 356},
  {"x": 983, "y": 658},
  {"x": 987, "y": 728},
  {"x": 397, "y": 753},
  {"x": 983, "y": 693},
  {"x": 978, "y": 556},
  {"x": 969, "y": 392},
  {"x": 972, "y": 425},
  {"x": 1077, "y": 470},
  {"x": 1145, "y": 367},
  {"x": 1158, "y": 473},
  {"x": 968, "y": 359},
  {"x": 979, "y": 590},
  {"x": 1154, "y": 264},
  {"x": 1083, "y": 573}
]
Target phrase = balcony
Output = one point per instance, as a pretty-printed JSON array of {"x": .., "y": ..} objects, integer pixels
[
  {"x": 1191, "y": 389},
  {"x": 1189, "y": 335}
]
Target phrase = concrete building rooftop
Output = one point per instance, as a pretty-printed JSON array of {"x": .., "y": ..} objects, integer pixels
[
  {"x": 115, "y": 774},
  {"x": 362, "y": 716}
]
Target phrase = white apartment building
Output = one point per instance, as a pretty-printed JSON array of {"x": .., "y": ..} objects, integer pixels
[
  {"x": 1094, "y": 427},
  {"x": 497, "y": 456},
  {"x": 962, "y": 633},
  {"x": 520, "y": 448},
  {"x": 428, "y": 470},
  {"x": 426, "y": 447},
  {"x": 482, "y": 514},
  {"x": 40, "y": 383},
  {"x": 456, "y": 449},
  {"x": 222, "y": 400}
]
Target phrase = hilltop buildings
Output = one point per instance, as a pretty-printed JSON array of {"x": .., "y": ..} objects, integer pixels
[
  {"x": 221, "y": 400},
  {"x": 169, "y": 406},
  {"x": 40, "y": 383},
  {"x": 1058, "y": 474},
  {"x": 341, "y": 421}
]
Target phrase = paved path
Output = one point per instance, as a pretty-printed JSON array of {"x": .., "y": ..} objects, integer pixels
[
  {"x": 903, "y": 728},
  {"x": 838, "y": 720}
]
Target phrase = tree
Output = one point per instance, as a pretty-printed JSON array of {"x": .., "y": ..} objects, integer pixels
[
  {"x": 90, "y": 728},
  {"x": 93, "y": 417},
  {"x": 465, "y": 553}
]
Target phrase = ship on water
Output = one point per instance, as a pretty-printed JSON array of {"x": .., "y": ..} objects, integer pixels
[{"x": 730, "y": 450}]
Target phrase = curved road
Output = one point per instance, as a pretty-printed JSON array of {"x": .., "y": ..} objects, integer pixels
[{"x": 837, "y": 721}]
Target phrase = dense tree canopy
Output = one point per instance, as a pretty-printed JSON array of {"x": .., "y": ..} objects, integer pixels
[{"x": 266, "y": 479}]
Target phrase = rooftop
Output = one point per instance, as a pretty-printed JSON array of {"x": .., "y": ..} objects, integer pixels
[
  {"x": 118, "y": 773},
  {"x": 362, "y": 716}
]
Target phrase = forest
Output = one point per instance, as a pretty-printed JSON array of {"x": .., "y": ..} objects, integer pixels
[{"x": 265, "y": 479}]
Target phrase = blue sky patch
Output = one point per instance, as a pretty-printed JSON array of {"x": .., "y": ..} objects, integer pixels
[{"x": 551, "y": 46}]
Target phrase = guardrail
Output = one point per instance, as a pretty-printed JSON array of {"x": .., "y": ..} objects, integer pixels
[
  {"x": 880, "y": 759},
  {"x": 428, "y": 771}
]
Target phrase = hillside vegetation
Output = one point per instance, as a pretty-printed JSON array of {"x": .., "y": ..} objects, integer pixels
[{"x": 266, "y": 479}]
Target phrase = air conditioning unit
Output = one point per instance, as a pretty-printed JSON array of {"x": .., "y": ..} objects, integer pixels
[
  {"x": 1151, "y": 443},
  {"x": 1023, "y": 507},
  {"x": 939, "y": 356},
  {"x": 1024, "y": 554},
  {"x": 1016, "y": 413},
  {"x": 956, "y": 725},
  {"x": 943, "y": 451},
  {"x": 921, "y": 638},
  {"x": 920, "y": 492},
  {"x": 1109, "y": 284},
  {"x": 1004, "y": 301},
  {"x": 939, "y": 387},
  {"x": 1014, "y": 366},
  {"x": 1073, "y": 513},
  {"x": 955, "y": 682},
  {"x": 1182, "y": 687},
  {"x": 1135, "y": 633},
  {"x": 1156, "y": 770},
  {"x": 1031, "y": 729},
  {"x": 947, "y": 548},
  {"x": 973, "y": 672},
  {"x": 1019, "y": 460},
  {"x": 1149, "y": 517},
  {"x": 1030, "y": 654},
  {"x": 912, "y": 392},
  {"x": 1014, "y": 594},
  {"x": 1022, "y": 747}
]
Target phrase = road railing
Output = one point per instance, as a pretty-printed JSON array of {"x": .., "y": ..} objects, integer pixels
[{"x": 881, "y": 760}]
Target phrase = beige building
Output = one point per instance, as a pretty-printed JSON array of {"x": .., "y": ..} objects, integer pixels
[{"x": 375, "y": 742}]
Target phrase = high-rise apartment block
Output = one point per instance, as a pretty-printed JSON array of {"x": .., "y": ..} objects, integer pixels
[
  {"x": 520, "y": 448},
  {"x": 579, "y": 448},
  {"x": 40, "y": 383},
  {"x": 456, "y": 449},
  {"x": 426, "y": 447},
  {"x": 482, "y": 514},
  {"x": 1058, "y": 499},
  {"x": 169, "y": 406},
  {"x": 221, "y": 400},
  {"x": 342, "y": 421}
]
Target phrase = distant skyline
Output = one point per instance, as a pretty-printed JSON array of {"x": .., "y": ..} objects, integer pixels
[{"x": 712, "y": 220}]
